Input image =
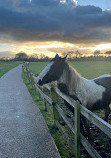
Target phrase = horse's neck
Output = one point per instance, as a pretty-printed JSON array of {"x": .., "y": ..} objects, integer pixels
[
  {"x": 70, "y": 78},
  {"x": 82, "y": 86},
  {"x": 87, "y": 91}
]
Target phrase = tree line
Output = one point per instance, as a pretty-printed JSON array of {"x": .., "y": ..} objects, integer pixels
[{"x": 71, "y": 56}]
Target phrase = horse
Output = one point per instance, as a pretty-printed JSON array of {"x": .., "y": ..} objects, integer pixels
[{"x": 94, "y": 94}]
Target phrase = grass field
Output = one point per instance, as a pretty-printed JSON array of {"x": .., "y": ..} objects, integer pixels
[
  {"x": 88, "y": 70},
  {"x": 6, "y": 66}
]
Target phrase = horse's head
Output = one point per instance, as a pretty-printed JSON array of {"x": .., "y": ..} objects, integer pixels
[{"x": 52, "y": 71}]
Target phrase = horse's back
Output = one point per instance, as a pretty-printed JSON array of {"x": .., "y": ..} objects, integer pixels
[{"x": 104, "y": 80}]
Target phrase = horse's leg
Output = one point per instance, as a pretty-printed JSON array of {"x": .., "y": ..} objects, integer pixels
[{"x": 107, "y": 112}]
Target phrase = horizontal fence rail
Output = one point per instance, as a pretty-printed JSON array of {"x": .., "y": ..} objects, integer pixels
[{"x": 58, "y": 113}]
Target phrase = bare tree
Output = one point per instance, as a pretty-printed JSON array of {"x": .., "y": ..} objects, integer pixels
[
  {"x": 77, "y": 54},
  {"x": 97, "y": 52}
]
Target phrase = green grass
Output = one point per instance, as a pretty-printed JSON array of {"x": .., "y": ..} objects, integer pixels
[
  {"x": 92, "y": 70},
  {"x": 37, "y": 67},
  {"x": 88, "y": 70},
  {"x": 6, "y": 66}
]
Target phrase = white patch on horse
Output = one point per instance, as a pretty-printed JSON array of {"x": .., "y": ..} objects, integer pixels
[
  {"x": 89, "y": 92},
  {"x": 45, "y": 70}
]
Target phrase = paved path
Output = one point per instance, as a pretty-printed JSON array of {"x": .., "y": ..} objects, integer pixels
[{"x": 23, "y": 131}]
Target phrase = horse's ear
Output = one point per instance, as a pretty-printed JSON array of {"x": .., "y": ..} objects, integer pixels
[
  {"x": 65, "y": 58},
  {"x": 56, "y": 56}
]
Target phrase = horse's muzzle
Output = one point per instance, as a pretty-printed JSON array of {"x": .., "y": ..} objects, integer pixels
[{"x": 40, "y": 82}]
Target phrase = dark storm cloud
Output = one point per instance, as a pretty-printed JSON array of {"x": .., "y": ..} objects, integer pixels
[{"x": 49, "y": 20}]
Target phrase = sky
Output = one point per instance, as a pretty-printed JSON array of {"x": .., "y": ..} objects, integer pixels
[{"x": 54, "y": 26}]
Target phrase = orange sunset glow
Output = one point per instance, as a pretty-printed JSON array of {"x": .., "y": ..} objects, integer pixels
[{"x": 51, "y": 48}]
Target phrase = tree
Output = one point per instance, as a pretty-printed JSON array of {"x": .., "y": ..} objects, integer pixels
[
  {"x": 21, "y": 56},
  {"x": 77, "y": 54},
  {"x": 108, "y": 52},
  {"x": 97, "y": 52},
  {"x": 36, "y": 56}
]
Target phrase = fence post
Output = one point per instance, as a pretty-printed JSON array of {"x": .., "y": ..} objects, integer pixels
[
  {"x": 38, "y": 94},
  {"x": 54, "y": 102},
  {"x": 29, "y": 76},
  {"x": 31, "y": 79},
  {"x": 45, "y": 102},
  {"x": 77, "y": 130}
]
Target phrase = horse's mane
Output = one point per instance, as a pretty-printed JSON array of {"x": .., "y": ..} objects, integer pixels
[
  {"x": 70, "y": 76},
  {"x": 74, "y": 77}
]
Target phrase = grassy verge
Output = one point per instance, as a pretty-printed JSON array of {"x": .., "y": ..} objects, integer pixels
[
  {"x": 57, "y": 136},
  {"x": 6, "y": 66}
]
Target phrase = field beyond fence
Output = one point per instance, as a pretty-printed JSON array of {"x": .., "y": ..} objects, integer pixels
[{"x": 52, "y": 103}]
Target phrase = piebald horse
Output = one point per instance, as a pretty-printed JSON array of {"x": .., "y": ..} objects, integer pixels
[{"x": 93, "y": 94}]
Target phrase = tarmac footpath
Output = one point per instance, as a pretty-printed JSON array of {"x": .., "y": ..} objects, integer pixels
[{"x": 23, "y": 131}]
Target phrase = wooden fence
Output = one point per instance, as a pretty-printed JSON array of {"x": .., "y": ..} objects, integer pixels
[{"x": 58, "y": 113}]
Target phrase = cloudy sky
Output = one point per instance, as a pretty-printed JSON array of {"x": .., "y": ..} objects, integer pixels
[{"x": 50, "y": 26}]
